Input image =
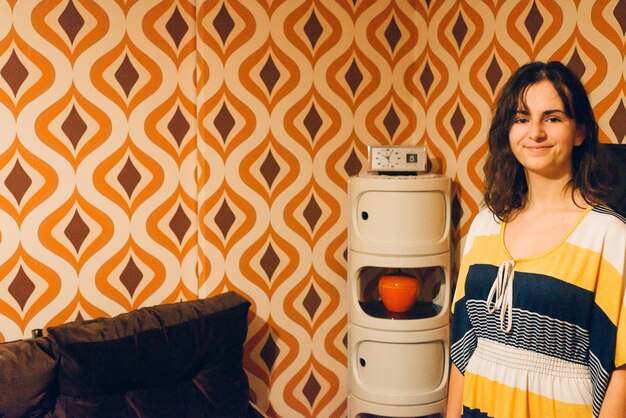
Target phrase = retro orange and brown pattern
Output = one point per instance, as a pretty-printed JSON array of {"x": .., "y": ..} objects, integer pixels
[{"x": 154, "y": 151}]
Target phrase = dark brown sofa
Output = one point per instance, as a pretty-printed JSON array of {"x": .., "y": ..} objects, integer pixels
[{"x": 176, "y": 360}]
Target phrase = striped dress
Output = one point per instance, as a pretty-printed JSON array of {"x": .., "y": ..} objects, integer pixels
[{"x": 538, "y": 337}]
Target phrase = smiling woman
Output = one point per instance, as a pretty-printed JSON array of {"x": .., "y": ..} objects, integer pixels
[
  {"x": 539, "y": 322},
  {"x": 542, "y": 138}
]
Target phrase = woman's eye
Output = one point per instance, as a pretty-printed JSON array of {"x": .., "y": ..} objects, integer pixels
[
  {"x": 520, "y": 120},
  {"x": 553, "y": 119}
]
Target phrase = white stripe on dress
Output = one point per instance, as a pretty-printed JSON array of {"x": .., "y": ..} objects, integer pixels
[{"x": 533, "y": 372}]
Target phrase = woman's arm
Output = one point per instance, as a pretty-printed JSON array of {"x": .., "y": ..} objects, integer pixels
[
  {"x": 614, "y": 404},
  {"x": 455, "y": 393}
]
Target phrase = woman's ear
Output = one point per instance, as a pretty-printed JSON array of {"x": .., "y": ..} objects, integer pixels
[{"x": 580, "y": 135}]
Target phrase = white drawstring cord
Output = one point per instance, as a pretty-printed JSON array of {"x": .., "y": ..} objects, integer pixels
[{"x": 502, "y": 294}]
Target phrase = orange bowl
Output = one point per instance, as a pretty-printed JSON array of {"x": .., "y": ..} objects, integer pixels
[{"x": 398, "y": 293}]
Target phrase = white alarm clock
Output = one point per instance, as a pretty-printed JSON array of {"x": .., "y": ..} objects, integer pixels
[{"x": 397, "y": 158}]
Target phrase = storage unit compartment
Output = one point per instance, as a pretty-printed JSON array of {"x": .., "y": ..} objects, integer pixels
[
  {"x": 401, "y": 368},
  {"x": 431, "y": 309},
  {"x": 399, "y": 216},
  {"x": 429, "y": 301},
  {"x": 364, "y": 409},
  {"x": 381, "y": 217}
]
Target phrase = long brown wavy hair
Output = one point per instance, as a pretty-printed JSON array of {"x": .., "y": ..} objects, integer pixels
[{"x": 505, "y": 182}]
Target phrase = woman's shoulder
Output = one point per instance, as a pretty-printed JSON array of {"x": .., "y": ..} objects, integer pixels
[
  {"x": 483, "y": 224},
  {"x": 605, "y": 223},
  {"x": 605, "y": 214},
  {"x": 606, "y": 230},
  {"x": 604, "y": 218},
  {"x": 486, "y": 222}
]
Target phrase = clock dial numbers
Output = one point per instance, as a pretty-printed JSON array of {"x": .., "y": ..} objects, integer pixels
[
  {"x": 397, "y": 158},
  {"x": 387, "y": 157}
]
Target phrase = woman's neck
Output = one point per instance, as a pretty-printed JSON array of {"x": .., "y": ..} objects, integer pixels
[{"x": 552, "y": 194}]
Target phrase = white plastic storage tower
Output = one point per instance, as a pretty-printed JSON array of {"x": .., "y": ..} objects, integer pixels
[{"x": 398, "y": 363}]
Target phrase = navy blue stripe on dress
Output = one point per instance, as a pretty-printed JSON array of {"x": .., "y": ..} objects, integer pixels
[
  {"x": 537, "y": 293},
  {"x": 600, "y": 382},
  {"x": 532, "y": 332},
  {"x": 473, "y": 413},
  {"x": 463, "y": 338}
]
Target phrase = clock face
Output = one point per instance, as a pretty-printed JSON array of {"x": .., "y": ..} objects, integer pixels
[
  {"x": 386, "y": 158},
  {"x": 397, "y": 158}
]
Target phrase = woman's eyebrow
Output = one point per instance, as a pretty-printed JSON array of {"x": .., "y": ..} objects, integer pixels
[
  {"x": 544, "y": 113},
  {"x": 553, "y": 111}
]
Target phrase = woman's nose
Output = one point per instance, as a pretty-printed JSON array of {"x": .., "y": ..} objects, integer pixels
[{"x": 535, "y": 130}]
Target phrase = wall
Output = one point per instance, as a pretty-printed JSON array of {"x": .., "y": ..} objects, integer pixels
[
  {"x": 98, "y": 151},
  {"x": 160, "y": 151}
]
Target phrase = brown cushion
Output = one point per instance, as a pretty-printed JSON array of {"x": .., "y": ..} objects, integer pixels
[
  {"x": 193, "y": 350},
  {"x": 27, "y": 377}
]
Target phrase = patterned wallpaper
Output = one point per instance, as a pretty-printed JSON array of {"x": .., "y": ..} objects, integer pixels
[{"x": 155, "y": 151}]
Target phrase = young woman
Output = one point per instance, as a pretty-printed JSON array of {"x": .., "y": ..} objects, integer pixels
[{"x": 539, "y": 327}]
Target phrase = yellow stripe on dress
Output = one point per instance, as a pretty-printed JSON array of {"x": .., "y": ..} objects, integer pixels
[
  {"x": 501, "y": 401},
  {"x": 620, "y": 349},
  {"x": 585, "y": 269}
]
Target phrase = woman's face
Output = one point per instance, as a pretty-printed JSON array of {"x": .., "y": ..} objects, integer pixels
[{"x": 543, "y": 136}]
